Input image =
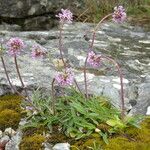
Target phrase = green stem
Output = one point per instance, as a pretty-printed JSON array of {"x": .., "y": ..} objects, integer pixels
[{"x": 53, "y": 97}]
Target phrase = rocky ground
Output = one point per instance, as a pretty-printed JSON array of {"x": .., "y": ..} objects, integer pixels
[{"x": 129, "y": 45}]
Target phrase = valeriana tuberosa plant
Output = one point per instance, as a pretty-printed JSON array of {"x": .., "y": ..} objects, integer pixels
[
  {"x": 65, "y": 17},
  {"x": 65, "y": 78},
  {"x": 15, "y": 46},
  {"x": 4, "y": 66},
  {"x": 93, "y": 59}
]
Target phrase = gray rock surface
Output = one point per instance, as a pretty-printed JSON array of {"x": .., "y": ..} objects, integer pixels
[
  {"x": 112, "y": 40},
  {"x": 26, "y": 8},
  {"x": 62, "y": 146},
  {"x": 13, "y": 144},
  {"x": 36, "y": 14}
]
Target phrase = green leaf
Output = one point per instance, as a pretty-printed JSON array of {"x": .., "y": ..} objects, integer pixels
[{"x": 79, "y": 108}]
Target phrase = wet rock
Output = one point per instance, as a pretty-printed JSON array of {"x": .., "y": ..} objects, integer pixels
[{"x": 62, "y": 146}]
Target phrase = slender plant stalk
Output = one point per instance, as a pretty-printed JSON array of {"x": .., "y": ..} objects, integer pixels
[
  {"x": 85, "y": 78},
  {"x": 90, "y": 47},
  {"x": 7, "y": 76},
  {"x": 78, "y": 86},
  {"x": 53, "y": 97},
  {"x": 12, "y": 87},
  {"x": 121, "y": 84},
  {"x": 61, "y": 54},
  {"x": 60, "y": 45},
  {"x": 20, "y": 78}
]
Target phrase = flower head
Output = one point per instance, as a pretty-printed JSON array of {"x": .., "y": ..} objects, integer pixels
[
  {"x": 93, "y": 59},
  {"x": 65, "y": 16},
  {"x": 119, "y": 14},
  {"x": 65, "y": 78},
  {"x": 38, "y": 51},
  {"x": 15, "y": 45}
]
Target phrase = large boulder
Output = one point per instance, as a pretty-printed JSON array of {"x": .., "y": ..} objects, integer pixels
[
  {"x": 103, "y": 81},
  {"x": 36, "y": 14},
  {"x": 27, "y": 8}
]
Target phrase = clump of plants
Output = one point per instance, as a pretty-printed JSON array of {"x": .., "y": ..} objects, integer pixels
[{"x": 76, "y": 113}]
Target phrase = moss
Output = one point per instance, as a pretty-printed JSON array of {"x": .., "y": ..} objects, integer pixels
[
  {"x": 119, "y": 143},
  {"x": 32, "y": 143},
  {"x": 9, "y": 118},
  {"x": 84, "y": 144},
  {"x": 140, "y": 135},
  {"x": 10, "y": 97},
  {"x": 29, "y": 131},
  {"x": 132, "y": 139},
  {"x": 10, "y": 102}
]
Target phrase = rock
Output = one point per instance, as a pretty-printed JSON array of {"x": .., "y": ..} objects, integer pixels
[
  {"x": 101, "y": 81},
  {"x": 38, "y": 23},
  {"x": 148, "y": 110},
  {"x": 36, "y": 13},
  {"x": 5, "y": 138},
  {"x": 13, "y": 144},
  {"x": 48, "y": 146},
  {"x": 1, "y": 134},
  {"x": 21, "y": 9},
  {"x": 8, "y": 27},
  {"x": 62, "y": 146},
  {"x": 9, "y": 132}
]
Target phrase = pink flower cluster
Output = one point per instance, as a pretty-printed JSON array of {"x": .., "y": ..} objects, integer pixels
[
  {"x": 94, "y": 59},
  {"x": 38, "y": 51},
  {"x": 65, "y": 16},
  {"x": 15, "y": 45},
  {"x": 119, "y": 14},
  {"x": 65, "y": 78}
]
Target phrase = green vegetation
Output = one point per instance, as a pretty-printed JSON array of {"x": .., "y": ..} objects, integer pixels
[
  {"x": 130, "y": 139},
  {"x": 79, "y": 118},
  {"x": 10, "y": 111},
  {"x": 139, "y": 10}
]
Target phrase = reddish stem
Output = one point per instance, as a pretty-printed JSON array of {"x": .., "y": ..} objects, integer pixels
[
  {"x": 20, "y": 78},
  {"x": 60, "y": 45},
  {"x": 61, "y": 54},
  {"x": 90, "y": 47},
  {"x": 121, "y": 84},
  {"x": 7, "y": 76},
  {"x": 77, "y": 86},
  {"x": 85, "y": 78}
]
